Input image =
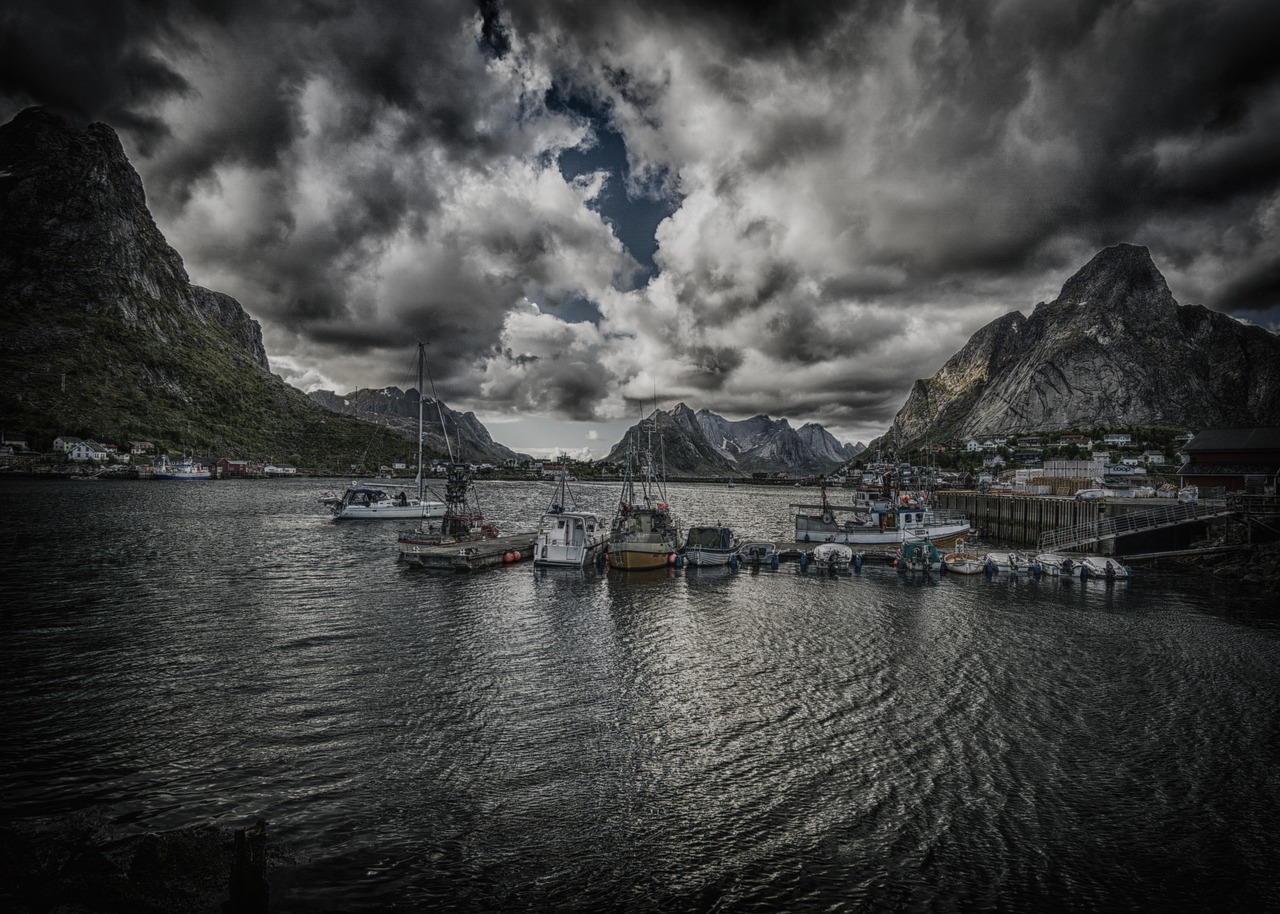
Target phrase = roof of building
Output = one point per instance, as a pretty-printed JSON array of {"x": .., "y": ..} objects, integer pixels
[
  {"x": 1235, "y": 439},
  {"x": 1229, "y": 469}
]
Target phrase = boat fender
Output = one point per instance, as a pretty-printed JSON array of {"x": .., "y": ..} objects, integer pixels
[{"x": 826, "y": 517}]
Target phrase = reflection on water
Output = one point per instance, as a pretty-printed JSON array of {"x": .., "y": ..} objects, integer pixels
[{"x": 694, "y": 739}]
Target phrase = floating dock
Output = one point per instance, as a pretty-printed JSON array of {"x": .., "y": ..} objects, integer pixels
[{"x": 467, "y": 555}]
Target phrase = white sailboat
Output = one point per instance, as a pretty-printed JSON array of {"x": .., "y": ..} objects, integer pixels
[{"x": 374, "y": 502}]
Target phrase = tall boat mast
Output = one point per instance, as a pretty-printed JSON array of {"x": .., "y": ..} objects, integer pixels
[{"x": 422, "y": 360}]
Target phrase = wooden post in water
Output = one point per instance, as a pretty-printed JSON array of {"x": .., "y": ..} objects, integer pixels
[{"x": 249, "y": 890}]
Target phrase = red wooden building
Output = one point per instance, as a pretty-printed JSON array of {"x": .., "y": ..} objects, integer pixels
[{"x": 1237, "y": 459}]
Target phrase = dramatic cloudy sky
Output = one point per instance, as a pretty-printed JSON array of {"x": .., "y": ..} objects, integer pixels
[{"x": 586, "y": 205}]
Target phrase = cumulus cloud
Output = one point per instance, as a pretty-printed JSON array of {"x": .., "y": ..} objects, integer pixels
[{"x": 852, "y": 189}]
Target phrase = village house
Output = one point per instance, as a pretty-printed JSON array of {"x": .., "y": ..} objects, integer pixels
[
  {"x": 138, "y": 448},
  {"x": 1073, "y": 469},
  {"x": 1236, "y": 459},
  {"x": 87, "y": 451},
  {"x": 229, "y": 467},
  {"x": 1153, "y": 458},
  {"x": 1080, "y": 441},
  {"x": 64, "y": 443},
  {"x": 1117, "y": 440},
  {"x": 280, "y": 469}
]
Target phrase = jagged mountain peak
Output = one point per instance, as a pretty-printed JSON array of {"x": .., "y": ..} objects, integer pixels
[
  {"x": 1118, "y": 279},
  {"x": 705, "y": 443},
  {"x": 1114, "y": 349}
]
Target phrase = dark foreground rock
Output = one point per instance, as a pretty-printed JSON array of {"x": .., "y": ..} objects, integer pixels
[{"x": 81, "y": 864}]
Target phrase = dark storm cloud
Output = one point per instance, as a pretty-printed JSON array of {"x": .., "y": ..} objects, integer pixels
[
  {"x": 838, "y": 193},
  {"x": 90, "y": 60},
  {"x": 1254, "y": 291}
]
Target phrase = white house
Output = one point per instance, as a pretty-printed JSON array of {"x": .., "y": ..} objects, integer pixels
[
  {"x": 1116, "y": 440},
  {"x": 279, "y": 469},
  {"x": 1130, "y": 461},
  {"x": 87, "y": 450},
  {"x": 1153, "y": 457},
  {"x": 64, "y": 443},
  {"x": 141, "y": 447},
  {"x": 995, "y": 460},
  {"x": 972, "y": 445}
]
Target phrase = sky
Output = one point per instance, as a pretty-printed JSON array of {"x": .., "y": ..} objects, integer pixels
[{"x": 587, "y": 208}]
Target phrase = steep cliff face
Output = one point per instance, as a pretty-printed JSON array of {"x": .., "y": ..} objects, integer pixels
[
  {"x": 75, "y": 229},
  {"x": 103, "y": 335},
  {"x": 1114, "y": 349}
]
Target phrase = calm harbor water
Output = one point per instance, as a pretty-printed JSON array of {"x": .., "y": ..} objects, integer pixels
[{"x": 694, "y": 740}]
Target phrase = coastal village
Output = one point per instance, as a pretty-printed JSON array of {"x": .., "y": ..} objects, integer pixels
[{"x": 1085, "y": 466}]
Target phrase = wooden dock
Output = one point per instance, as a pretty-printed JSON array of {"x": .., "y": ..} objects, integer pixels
[{"x": 468, "y": 556}]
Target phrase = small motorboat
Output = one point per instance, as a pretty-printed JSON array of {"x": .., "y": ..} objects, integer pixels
[
  {"x": 1009, "y": 562},
  {"x": 759, "y": 555},
  {"x": 832, "y": 556},
  {"x": 961, "y": 562}
]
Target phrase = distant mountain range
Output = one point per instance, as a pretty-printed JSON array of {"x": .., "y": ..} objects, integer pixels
[
  {"x": 1114, "y": 349},
  {"x": 703, "y": 443},
  {"x": 398, "y": 410}
]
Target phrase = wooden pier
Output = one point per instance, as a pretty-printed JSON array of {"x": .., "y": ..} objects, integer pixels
[{"x": 1046, "y": 522}]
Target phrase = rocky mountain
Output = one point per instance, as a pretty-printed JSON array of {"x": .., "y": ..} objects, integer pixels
[
  {"x": 1114, "y": 349},
  {"x": 398, "y": 410},
  {"x": 703, "y": 443},
  {"x": 103, "y": 335}
]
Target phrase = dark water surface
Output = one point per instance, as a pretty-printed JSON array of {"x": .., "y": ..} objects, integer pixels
[{"x": 701, "y": 740}]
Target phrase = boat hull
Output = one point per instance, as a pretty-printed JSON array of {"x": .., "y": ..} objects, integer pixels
[
  {"x": 628, "y": 556},
  {"x": 708, "y": 558},
  {"x": 390, "y": 511},
  {"x": 962, "y": 563},
  {"x": 942, "y": 535}
]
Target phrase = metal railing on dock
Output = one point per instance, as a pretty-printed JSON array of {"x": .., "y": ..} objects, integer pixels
[{"x": 1104, "y": 528}]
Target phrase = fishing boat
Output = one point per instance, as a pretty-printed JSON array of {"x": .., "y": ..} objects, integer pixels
[
  {"x": 710, "y": 545},
  {"x": 373, "y": 502},
  {"x": 878, "y": 520},
  {"x": 459, "y": 539},
  {"x": 644, "y": 534},
  {"x": 568, "y": 536},
  {"x": 962, "y": 561},
  {"x": 186, "y": 468}
]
